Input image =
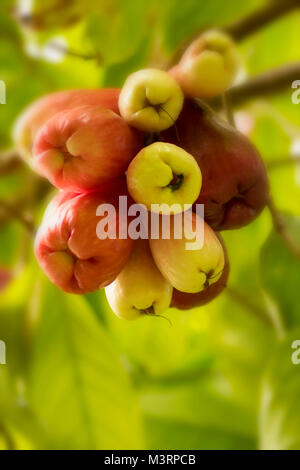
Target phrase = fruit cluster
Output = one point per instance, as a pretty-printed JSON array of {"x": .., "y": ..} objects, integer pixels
[{"x": 154, "y": 143}]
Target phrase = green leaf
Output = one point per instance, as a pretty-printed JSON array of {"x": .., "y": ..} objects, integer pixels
[
  {"x": 77, "y": 384},
  {"x": 121, "y": 25},
  {"x": 115, "y": 75},
  {"x": 206, "y": 403},
  {"x": 273, "y": 45},
  {"x": 279, "y": 410},
  {"x": 280, "y": 272},
  {"x": 270, "y": 122}
]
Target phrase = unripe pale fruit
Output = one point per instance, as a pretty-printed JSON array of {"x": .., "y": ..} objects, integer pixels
[
  {"x": 150, "y": 100},
  {"x": 68, "y": 249},
  {"x": 208, "y": 67},
  {"x": 164, "y": 174},
  {"x": 81, "y": 148},
  {"x": 235, "y": 185},
  {"x": 140, "y": 289},
  {"x": 193, "y": 270},
  {"x": 184, "y": 301},
  {"x": 44, "y": 108}
]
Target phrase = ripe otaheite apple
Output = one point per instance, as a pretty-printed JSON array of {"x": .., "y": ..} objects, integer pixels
[
  {"x": 44, "y": 108},
  {"x": 235, "y": 185},
  {"x": 184, "y": 301},
  {"x": 140, "y": 289},
  {"x": 189, "y": 270},
  {"x": 68, "y": 248},
  {"x": 150, "y": 100},
  {"x": 164, "y": 174},
  {"x": 81, "y": 148},
  {"x": 208, "y": 66}
]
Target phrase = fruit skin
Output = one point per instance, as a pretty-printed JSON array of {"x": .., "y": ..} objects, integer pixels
[
  {"x": 47, "y": 106},
  {"x": 150, "y": 100},
  {"x": 68, "y": 249},
  {"x": 184, "y": 301},
  {"x": 235, "y": 185},
  {"x": 189, "y": 271},
  {"x": 140, "y": 289},
  {"x": 81, "y": 148},
  {"x": 163, "y": 173},
  {"x": 209, "y": 65}
]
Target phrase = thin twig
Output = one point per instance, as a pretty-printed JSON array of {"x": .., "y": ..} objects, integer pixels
[
  {"x": 14, "y": 213},
  {"x": 246, "y": 25},
  {"x": 282, "y": 229},
  {"x": 10, "y": 161},
  {"x": 284, "y": 161},
  {"x": 249, "y": 305},
  {"x": 267, "y": 83}
]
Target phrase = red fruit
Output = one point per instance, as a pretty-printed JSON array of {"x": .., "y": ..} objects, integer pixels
[
  {"x": 235, "y": 184},
  {"x": 69, "y": 250},
  {"x": 81, "y": 148},
  {"x": 44, "y": 108},
  {"x": 184, "y": 301}
]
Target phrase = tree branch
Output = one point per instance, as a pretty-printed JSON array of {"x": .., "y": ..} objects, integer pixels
[
  {"x": 247, "y": 303},
  {"x": 259, "y": 18},
  {"x": 227, "y": 106},
  {"x": 264, "y": 84},
  {"x": 248, "y": 24},
  {"x": 282, "y": 229}
]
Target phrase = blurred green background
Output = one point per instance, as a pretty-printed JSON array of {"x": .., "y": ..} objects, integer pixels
[{"x": 76, "y": 376}]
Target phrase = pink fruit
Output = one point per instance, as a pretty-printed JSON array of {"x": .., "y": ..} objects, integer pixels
[
  {"x": 44, "y": 108},
  {"x": 79, "y": 149},
  {"x": 67, "y": 246}
]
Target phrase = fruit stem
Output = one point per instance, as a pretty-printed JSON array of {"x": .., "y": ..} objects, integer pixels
[
  {"x": 164, "y": 318},
  {"x": 174, "y": 122},
  {"x": 227, "y": 106}
]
